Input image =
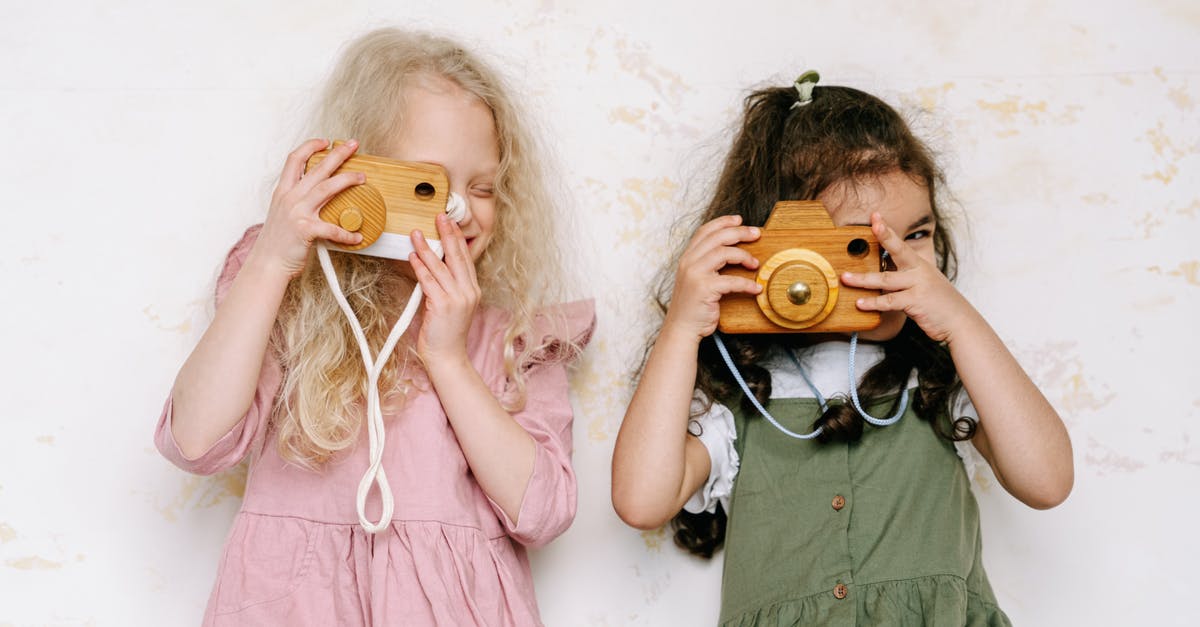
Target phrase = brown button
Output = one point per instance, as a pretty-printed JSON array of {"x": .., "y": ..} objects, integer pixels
[
  {"x": 840, "y": 591},
  {"x": 839, "y": 502}
]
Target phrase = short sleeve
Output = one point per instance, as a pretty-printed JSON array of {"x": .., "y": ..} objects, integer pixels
[
  {"x": 716, "y": 430},
  {"x": 962, "y": 407},
  {"x": 549, "y": 504},
  {"x": 238, "y": 441}
]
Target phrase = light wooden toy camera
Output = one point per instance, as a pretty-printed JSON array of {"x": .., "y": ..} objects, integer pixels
[
  {"x": 397, "y": 197},
  {"x": 801, "y": 255}
]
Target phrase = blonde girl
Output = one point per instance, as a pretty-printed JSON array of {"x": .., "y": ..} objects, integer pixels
[{"x": 478, "y": 439}]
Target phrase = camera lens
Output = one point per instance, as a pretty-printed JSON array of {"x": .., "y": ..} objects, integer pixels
[
  {"x": 858, "y": 247},
  {"x": 424, "y": 190}
]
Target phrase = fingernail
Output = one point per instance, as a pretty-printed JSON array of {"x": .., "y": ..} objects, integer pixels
[
  {"x": 362, "y": 178},
  {"x": 352, "y": 143}
]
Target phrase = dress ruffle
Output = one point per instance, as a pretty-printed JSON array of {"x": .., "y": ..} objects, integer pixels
[
  {"x": 435, "y": 574},
  {"x": 933, "y": 601}
]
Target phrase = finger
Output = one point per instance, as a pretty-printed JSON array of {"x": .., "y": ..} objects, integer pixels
[
  {"x": 886, "y": 281},
  {"x": 457, "y": 253},
  {"x": 900, "y": 252},
  {"x": 334, "y": 160},
  {"x": 430, "y": 259},
  {"x": 725, "y": 237},
  {"x": 320, "y": 229},
  {"x": 891, "y": 301},
  {"x": 433, "y": 290},
  {"x": 728, "y": 255},
  {"x": 735, "y": 285},
  {"x": 293, "y": 166},
  {"x": 717, "y": 224},
  {"x": 320, "y": 194}
]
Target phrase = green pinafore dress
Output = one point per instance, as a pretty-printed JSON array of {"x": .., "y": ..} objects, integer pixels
[{"x": 883, "y": 531}]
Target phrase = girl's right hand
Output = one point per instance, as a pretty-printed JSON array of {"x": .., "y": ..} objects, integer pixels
[
  {"x": 699, "y": 286},
  {"x": 292, "y": 221}
]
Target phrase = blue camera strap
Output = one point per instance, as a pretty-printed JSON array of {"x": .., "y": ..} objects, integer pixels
[{"x": 879, "y": 422}]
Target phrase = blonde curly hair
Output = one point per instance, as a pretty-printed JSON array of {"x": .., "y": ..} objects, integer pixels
[{"x": 320, "y": 408}]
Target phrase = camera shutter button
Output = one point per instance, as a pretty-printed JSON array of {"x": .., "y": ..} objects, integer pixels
[{"x": 799, "y": 293}]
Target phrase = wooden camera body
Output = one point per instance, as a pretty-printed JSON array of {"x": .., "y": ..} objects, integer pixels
[
  {"x": 397, "y": 197},
  {"x": 801, "y": 255}
]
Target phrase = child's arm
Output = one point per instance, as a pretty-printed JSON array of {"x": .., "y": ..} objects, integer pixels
[
  {"x": 1019, "y": 432},
  {"x": 217, "y": 383},
  {"x": 657, "y": 465},
  {"x": 498, "y": 449}
]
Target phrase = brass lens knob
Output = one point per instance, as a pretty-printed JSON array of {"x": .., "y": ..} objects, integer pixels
[{"x": 799, "y": 292}]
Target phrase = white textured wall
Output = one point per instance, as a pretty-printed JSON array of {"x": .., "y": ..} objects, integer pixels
[{"x": 140, "y": 138}]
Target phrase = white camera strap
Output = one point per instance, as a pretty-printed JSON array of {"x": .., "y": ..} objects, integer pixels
[{"x": 456, "y": 209}]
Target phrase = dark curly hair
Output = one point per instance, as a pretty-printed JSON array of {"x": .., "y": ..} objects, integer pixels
[{"x": 786, "y": 153}]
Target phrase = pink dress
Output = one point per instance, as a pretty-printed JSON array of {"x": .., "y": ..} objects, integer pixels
[{"x": 296, "y": 554}]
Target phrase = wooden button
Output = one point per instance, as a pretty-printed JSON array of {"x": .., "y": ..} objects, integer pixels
[
  {"x": 840, "y": 591},
  {"x": 351, "y": 219},
  {"x": 839, "y": 502}
]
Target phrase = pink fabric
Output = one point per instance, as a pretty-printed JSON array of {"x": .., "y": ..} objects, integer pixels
[{"x": 296, "y": 554}]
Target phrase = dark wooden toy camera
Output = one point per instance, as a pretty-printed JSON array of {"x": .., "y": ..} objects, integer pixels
[
  {"x": 397, "y": 197},
  {"x": 801, "y": 255}
]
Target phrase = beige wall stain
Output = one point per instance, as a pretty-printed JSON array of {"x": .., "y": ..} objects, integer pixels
[
  {"x": 1097, "y": 198},
  {"x": 1182, "y": 455},
  {"x": 45, "y": 439},
  {"x": 928, "y": 98},
  {"x": 1106, "y": 460},
  {"x": 638, "y": 60},
  {"x": 204, "y": 492},
  {"x": 32, "y": 562},
  {"x": 654, "y": 539},
  {"x": 1189, "y": 271},
  {"x": 153, "y": 317},
  {"x": 628, "y": 115},
  {"x": 644, "y": 196},
  {"x": 1061, "y": 375},
  {"x": 1164, "y": 176},
  {"x": 7, "y": 533},
  {"x": 1163, "y": 143},
  {"x": 1013, "y": 112},
  {"x": 1180, "y": 98},
  {"x": 601, "y": 390}
]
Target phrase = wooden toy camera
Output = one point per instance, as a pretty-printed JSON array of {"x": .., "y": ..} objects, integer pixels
[
  {"x": 801, "y": 255},
  {"x": 397, "y": 197}
]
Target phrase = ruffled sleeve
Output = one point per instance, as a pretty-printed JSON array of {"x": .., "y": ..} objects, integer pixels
[
  {"x": 558, "y": 336},
  {"x": 961, "y": 406},
  {"x": 716, "y": 431},
  {"x": 234, "y": 445}
]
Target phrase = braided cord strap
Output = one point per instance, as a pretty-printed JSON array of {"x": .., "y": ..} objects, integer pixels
[
  {"x": 878, "y": 422},
  {"x": 750, "y": 395}
]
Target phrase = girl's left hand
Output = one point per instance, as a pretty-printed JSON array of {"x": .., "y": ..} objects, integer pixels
[
  {"x": 915, "y": 287},
  {"x": 451, "y": 292}
]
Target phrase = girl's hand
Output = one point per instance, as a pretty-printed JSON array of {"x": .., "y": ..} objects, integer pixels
[
  {"x": 451, "y": 293},
  {"x": 699, "y": 286},
  {"x": 292, "y": 220},
  {"x": 915, "y": 287}
]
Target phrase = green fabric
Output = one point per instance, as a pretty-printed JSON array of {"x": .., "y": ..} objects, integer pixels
[{"x": 906, "y": 544}]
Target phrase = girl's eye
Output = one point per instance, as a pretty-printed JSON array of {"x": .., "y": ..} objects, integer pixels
[
  {"x": 482, "y": 191},
  {"x": 922, "y": 234}
]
